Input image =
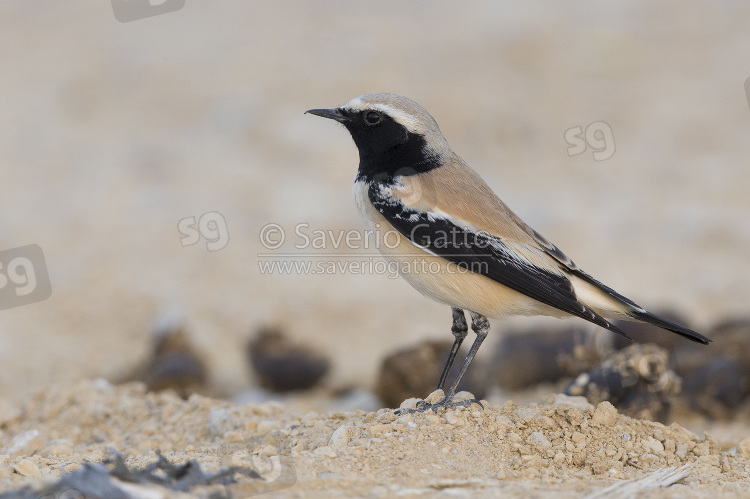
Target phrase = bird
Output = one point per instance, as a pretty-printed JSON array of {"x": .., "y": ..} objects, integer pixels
[{"x": 453, "y": 239}]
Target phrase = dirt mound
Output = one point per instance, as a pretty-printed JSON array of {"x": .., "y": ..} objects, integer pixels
[{"x": 567, "y": 444}]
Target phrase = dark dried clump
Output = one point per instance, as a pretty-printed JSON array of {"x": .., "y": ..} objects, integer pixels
[
  {"x": 283, "y": 366},
  {"x": 717, "y": 379},
  {"x": 173, "y": 363},
  {"x": 414, "y": 371},
  {"x": 637, "y": 380},
  {"x": 545, "y": 355}
]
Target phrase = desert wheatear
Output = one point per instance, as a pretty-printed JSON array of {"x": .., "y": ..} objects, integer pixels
[{"x": 481, "y": 256}]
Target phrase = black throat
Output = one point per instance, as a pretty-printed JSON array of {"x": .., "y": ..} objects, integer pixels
[{"x": 390, "y": 151}]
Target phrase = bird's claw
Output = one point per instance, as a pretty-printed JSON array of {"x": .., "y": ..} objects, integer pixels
[{"x": 446, "y": 403}]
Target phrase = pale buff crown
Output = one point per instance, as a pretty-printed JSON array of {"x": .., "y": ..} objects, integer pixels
[{"x": 407, "y": 113}]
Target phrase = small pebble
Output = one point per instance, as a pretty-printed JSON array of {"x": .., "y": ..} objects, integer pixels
[
  {"x": 744, "y": 448},
  {"x": 25, "y": 444},
  {"x": 325, "y": 451},
  {"x": 652, "y": 445},
  {"x": 604, "y": 415},
  {"x": 27, "y": 468},
  {"x": 560, "y": 399},
  {"x": 405, "y": 419},
  {"x": 539, "y": 440},
  {"x": 464, "y": 395},
  {"x": 233, "y": 437},
  {"x": 268, "y": 451},
  {"x": 267, "y": 425},
  {"x": 379, "y": 429},
  {"x": 432, "y": 420},
  {"x": 435, "y": 397},
  {"x": 453, "y": 418},
  {"x": 340, "y": 437},
  {"x": 669, "y": 445},
  {"x": 410, "y": 403},
  {"x": 504, "y": 423},
  {"x": 702, "y": 449}
]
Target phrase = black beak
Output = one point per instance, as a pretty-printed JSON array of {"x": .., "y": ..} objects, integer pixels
[{"x": 334, "y": 114}]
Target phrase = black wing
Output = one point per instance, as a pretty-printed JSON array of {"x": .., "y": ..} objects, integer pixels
[
  {"x": 636, "y": 311},
  {"x": 561, "y": 257},
  {"x": 484, "y": 254}
]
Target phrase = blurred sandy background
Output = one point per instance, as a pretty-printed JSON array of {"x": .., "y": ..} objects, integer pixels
[{"x": 111, "y": 133}]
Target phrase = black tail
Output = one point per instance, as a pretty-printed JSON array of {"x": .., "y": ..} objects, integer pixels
[{"x": 669, "y": 326}]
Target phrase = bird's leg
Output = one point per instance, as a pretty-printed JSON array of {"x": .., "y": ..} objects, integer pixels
[
  {"x": 460, "y": 329},
  {"x": 481, "y": 326}
]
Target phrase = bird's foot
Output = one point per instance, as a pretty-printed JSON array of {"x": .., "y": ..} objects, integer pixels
[{"x": 446, "y": 403}]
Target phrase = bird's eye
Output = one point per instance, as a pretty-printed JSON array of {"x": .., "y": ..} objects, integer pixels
[{"x": 373, "y": 118}]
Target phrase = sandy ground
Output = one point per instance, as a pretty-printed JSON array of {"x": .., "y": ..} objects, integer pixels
[
  {"x": 565, "y": 447},
  {"x": 112, "y": 133}
]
